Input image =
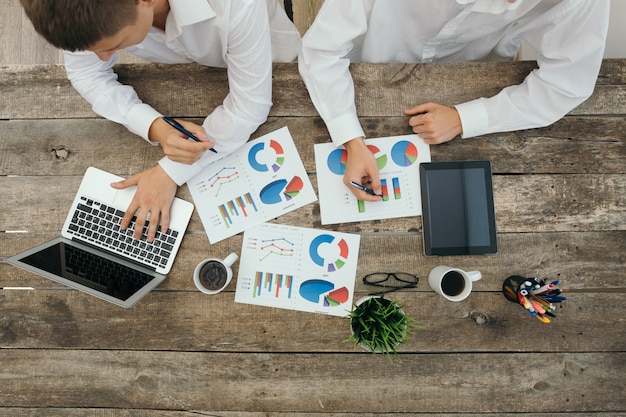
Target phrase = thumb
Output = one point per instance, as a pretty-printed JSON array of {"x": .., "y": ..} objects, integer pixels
[{"x": 120, "y": 185}]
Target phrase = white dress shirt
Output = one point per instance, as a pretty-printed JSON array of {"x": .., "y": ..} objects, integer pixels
[
  {"x": 243, "y": 36},
  {"x": 568, "y": 35}
]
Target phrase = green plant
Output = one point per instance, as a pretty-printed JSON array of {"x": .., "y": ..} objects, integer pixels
[{"x": 379, "y": 325}]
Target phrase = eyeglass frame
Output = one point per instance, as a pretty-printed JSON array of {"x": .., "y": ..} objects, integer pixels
[{"x": 410, "y": 284}]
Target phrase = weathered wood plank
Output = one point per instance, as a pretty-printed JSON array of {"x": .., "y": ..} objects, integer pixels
[
  {"x": 451, "y": 383},
  {"x": 67, "y": 146},
  {"x": 583, "y": 261},
  {"x": 35, "y": 49},
  {"x": 114, "y": 412},
  {"x": 523, "y": 203},
  {"x": 10, "y": 32},
  {"x": 304, "y": 13},
  {"x": 382, "y": 89},
  {"x": 192, "y": 321}
]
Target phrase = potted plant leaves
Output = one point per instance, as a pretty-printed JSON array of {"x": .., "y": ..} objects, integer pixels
[{"x": 379, "y": 325}]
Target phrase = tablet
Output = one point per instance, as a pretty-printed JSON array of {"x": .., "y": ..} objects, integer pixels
[{"x": 458, "y": 216}]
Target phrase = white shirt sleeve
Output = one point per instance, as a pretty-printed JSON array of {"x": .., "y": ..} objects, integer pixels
[
  {"x": 569, "y": 46},
  {"x": 244, "y": 109},
  {"x": 96, "y": 81},
  {"x": 324, "y": 65},
  {"x": 247, "y": 105}
]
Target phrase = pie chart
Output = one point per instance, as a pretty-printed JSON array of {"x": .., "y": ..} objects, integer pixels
[
  {"x": 337, "y": 245},
  {"x": 281, "y": 190},
  {"x": 404, "y": 153},
  {"x": 312, "y": 289},
  {"x": 337, "y": 161},
  {"x": 336, "y": 297},
  {"x": 323, "y": 292},
  {"x": 258, "y": 156},
  {"x": 381, "y": 158}
]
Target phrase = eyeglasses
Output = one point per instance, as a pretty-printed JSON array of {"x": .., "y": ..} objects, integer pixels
[{"x": 401, "y": 280}]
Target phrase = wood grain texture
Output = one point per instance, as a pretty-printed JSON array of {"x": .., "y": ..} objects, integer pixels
[
  {"x": 284, "y": 382},
  {"x": 116, "y": 412},
  {"x": 551, "y": 203},
  {"x": 304, "y": 13},
  {"x": 582, "y": 260},
  {"x": 99, "y": 412},
  {"x": 559, "y": 192},
  {"x": 485, "y": 322},
  {"x": 573, "y": 145},
  {"x": 382, "y": 89}
]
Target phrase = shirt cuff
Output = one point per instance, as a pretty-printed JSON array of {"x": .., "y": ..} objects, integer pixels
[
  {"x": 140, "y": 118},
  {"x": 344, "y": 128},
  {"x": 178, "y": 172},
  {"x": 474, "y": 118}
]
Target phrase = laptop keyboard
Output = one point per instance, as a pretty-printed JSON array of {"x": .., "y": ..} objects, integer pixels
[{"x": 99, "y": 224}]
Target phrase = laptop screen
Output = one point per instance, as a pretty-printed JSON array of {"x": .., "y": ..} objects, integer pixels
[{"x": 89, "y": 269}]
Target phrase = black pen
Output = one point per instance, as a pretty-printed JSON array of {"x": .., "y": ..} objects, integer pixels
[
  {"x": 182, "y": 130},
  {"x": 364, "y": 188}
]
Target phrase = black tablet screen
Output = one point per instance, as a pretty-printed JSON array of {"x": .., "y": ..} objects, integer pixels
[{"x": 457, "y": 208}]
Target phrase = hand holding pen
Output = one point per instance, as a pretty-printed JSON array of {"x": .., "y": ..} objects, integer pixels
[
  {"x": 176, "y": 125},
  {"x": 364, "y": 188},
  {"x": 361, "y": 170}
]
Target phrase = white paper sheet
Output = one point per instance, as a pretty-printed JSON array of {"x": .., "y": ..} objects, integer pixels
[
  {"x": 398, "y": 159},
  {"x": 298, "y": 268},
  {"x": 262, "y": 180}
]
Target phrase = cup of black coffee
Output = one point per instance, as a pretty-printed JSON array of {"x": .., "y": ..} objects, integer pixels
[
  {"x": 452, "y": 283},
  {"x": 213, "y": 275}
]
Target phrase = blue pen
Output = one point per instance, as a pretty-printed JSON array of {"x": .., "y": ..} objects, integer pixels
[
  {"x": 364, "y": 188},
  {"x": 182, "y": 130}
]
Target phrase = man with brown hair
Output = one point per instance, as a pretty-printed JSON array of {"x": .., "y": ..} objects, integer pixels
[{"x": 244, "y": 36}]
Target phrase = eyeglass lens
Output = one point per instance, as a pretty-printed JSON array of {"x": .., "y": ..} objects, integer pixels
[{"x": 378, "y": 278}]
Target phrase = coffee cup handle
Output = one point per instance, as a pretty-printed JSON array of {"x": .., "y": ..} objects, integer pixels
[
  {"x": 230, "y": 259},
  {"x": 474, "y": 275}
]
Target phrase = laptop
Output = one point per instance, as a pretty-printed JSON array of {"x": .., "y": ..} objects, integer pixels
[{"x": 94, "y": 256}]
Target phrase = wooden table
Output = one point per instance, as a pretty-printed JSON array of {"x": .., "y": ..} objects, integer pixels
[{"x": 560, "y": 196}]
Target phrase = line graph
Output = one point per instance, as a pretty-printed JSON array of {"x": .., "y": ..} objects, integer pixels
[
  {"x": 276, "y": 247},
  {"x": 223, "y": 177},
  {"x": 297, "y": 268}
]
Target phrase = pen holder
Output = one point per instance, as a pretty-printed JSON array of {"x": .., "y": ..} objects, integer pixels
[
  {"x": 537, "y": 296},
  {"x": 510, "y": 287}
]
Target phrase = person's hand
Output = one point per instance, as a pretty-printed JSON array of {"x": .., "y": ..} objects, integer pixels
[
  {"x": 175, "y": 144},
  {"x": 153, "y": 198},
  {"x": 435, "y": 123},
  {"x": 361, "y": 168}
]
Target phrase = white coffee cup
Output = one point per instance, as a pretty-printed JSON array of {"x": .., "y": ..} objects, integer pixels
[
  {"x": 452, "y": 283},
  {"x": 213, "y": 275}
]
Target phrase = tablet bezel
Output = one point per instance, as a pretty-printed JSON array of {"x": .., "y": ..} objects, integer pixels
[{"x": 427, "y": 231}]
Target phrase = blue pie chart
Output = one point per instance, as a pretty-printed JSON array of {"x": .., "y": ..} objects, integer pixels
[
  {"x": 270, "y": 194},
  {"x": 331, "y": 265},
  {"x": 312, "y": 289}
]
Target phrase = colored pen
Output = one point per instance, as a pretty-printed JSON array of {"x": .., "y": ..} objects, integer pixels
[
  {"x": 543, "y": 319},
  {"x": 537, "y": 307},
  {"x": 545, "y": 288},
  {"x": 364, "y": 188},
  {"x": 182, "y": 130}
]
